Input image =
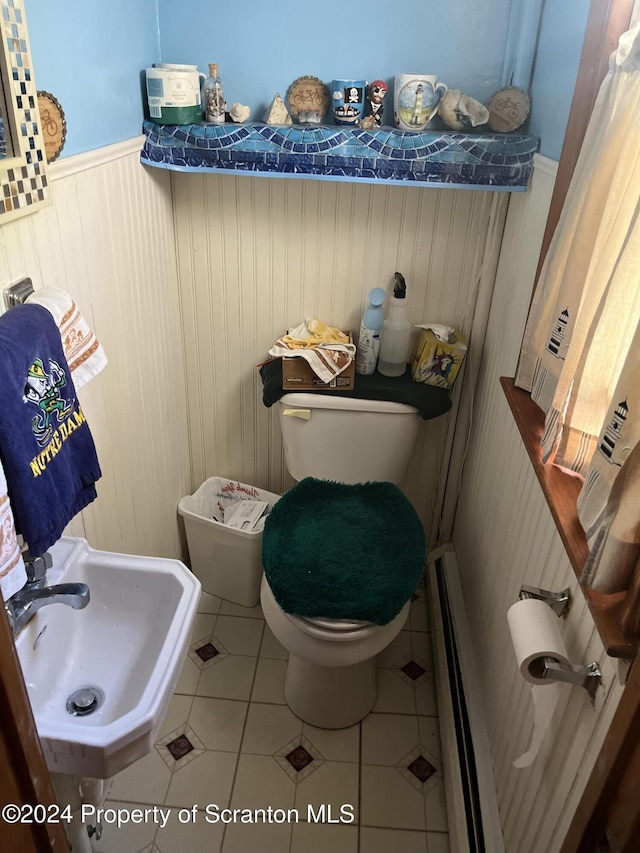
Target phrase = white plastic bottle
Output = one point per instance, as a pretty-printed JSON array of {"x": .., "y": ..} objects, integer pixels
[
  {"x": 394, "y": 344},
  {"x": 370, "y": 331}
]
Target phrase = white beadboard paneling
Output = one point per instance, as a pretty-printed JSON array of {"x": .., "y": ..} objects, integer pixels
[
  {"x": 505, "y": 536},
  {"x": 91, "y": 160},
  {"x": 108, "y": 241},
  {"x": 256, "y": 256}
]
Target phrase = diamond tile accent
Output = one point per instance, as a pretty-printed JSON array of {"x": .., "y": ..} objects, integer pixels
[
  {"x": 207, "y": 652},
  {"x": 422, "y": 769},
  {"x": 413, "y": 670},
  {"x": 180, "y": 746},
  {"x": 299, "y": 758}
]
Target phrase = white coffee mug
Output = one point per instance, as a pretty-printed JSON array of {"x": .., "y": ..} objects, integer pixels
[{"x": 416, "y": 98}]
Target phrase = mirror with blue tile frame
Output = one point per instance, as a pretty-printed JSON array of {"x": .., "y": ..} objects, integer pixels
[{"x": 23, "y": 164}]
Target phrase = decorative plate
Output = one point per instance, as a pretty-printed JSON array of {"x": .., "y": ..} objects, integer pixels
[
  {"x": 53, "y": 125},
  {"x": 308, "y": 100}
]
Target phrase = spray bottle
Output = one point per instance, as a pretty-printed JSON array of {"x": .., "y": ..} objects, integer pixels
[
  {"x": 394, "y": 344},
  {"x": 370, "y": 329}
]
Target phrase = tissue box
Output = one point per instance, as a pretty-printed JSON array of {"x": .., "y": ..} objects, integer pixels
[
  {"x": 437, "y": 362},
  {"x": 297, "y": 375}
]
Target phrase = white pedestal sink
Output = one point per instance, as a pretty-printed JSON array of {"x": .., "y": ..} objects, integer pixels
[{"x": 129, "y": 642}]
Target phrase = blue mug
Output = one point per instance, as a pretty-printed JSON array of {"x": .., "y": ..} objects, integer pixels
[{"x": 348, "y": 98}]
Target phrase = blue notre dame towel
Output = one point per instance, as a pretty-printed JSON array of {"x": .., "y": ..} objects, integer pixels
[{"x": 46, "y": 448}]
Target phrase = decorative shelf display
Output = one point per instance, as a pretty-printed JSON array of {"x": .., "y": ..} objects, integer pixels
[{"x": 488, "y": 161}]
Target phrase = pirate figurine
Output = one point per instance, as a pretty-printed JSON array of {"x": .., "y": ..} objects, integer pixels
[{"x": 377, "y": 91}]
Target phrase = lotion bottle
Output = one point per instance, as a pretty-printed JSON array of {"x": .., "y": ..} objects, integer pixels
[
  {"x": 394, "y": 344},
  {"x": 370, "y": 330}
]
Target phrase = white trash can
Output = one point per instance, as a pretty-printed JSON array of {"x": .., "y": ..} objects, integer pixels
[{"x": 227, "y": 561}]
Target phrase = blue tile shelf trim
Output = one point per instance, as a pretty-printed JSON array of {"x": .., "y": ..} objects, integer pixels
[{"x": 495, "y": 161}]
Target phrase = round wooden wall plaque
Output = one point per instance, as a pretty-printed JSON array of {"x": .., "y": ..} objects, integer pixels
[
  {"x": 53, "y": 125},
  {"x": 308, "y": 95},
  {"x": 508, "y": 109}
]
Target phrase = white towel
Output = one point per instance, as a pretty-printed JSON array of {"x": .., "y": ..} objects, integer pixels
[
  {"x": 84, "y": 353},
  {"x": 13, "y": 575}
]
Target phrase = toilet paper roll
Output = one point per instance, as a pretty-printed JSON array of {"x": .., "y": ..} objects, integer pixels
[{"x": 535, "y": 634}]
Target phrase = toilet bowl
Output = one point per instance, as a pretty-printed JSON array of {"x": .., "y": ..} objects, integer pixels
[{"x": 331, "y": 673}]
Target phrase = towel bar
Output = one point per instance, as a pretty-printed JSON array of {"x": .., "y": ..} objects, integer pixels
[{"x": 17, "y": 293}]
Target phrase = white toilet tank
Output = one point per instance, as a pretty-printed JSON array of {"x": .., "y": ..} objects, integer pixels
[{"x": 346, "y": 439}]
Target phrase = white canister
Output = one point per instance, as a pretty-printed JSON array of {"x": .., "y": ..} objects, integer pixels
[
  {"x": 416, "y": 98},
  {"x": 174, "y": 94}
]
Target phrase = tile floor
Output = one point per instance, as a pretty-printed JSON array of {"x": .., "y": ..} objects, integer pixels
[{"x": 230, "y": 741}]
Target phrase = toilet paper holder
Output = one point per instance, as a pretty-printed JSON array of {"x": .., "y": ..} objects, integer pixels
[
  {"x": 588, "y": 676},
  {"x": 559, "y": 602}
]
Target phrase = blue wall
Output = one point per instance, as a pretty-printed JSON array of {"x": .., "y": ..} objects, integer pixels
[
  {"x": 272, "y": 43},
  {"x": 91, "y": 54},
  {"x": 556, "y": 67}
]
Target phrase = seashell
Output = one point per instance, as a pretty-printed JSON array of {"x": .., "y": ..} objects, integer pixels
[
  {"x": 461, "y": 112},
  {"x": 239, "y": 113},
  {"x": 508, "y": 109}
]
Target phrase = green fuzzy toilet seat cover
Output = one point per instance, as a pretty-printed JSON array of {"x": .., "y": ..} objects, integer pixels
[{"x": 343, "y": 551}]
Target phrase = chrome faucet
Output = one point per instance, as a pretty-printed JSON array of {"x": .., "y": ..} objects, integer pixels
[{"x": 27, "y": 601}]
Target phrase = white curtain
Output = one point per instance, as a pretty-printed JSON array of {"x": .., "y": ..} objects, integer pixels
[{"x": 579, "y": 356}]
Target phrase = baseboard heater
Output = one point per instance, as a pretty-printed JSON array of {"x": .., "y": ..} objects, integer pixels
[{"x": 472, "y": 808}]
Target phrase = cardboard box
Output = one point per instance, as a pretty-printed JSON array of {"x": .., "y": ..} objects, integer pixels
[
  {"x": 297, "y": 375},
  {"x": 437, "y": 362}
]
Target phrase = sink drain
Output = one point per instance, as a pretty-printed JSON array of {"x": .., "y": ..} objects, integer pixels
[{"x": 84, "y": 701}]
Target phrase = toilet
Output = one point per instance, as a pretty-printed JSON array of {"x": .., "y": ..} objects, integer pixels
[{"x": 337, "y": 442}]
